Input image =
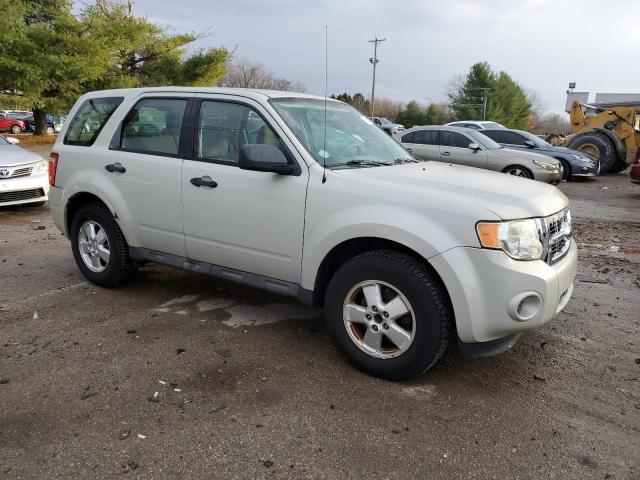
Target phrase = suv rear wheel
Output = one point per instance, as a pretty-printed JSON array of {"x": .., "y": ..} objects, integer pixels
[
  {"x": 387, "y": 314},
  {"x": 99, "y": 247}
]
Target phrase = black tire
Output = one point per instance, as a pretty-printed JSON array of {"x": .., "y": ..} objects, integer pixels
[
  {"x": 15, "y": 129},
  {"x": 596, "y": 144},
  {"x": 566, "y": 169},
  {"x": 119, "y": 267},
  {"x": 420, "y": 287},
  {"x": 619, "y": 166},
  {"x": 525, "y": 171}
]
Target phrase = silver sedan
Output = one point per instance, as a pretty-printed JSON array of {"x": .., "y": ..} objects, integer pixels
[
  {"x": 24, "y": 176},
  {"x": 464, "y": 146}
]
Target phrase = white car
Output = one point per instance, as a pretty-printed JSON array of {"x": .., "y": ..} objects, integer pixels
[
  {"x": 475, "y": 124},
  {"x": 256, "y": 187},
  {"x": 23, "y": 175}
]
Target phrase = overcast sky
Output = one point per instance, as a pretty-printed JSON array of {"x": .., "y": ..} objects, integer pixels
[{"x": 542, "y": 44}]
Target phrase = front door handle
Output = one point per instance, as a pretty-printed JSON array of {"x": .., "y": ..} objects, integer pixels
[
  {"x": 205, "y": 181},
  {"x": 115, "y": 167},
  {"x": 446, "y": 154},
  {"x": 409, "y": 149}
]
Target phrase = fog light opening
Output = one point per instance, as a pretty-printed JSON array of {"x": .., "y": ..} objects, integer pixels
[{"x": 525, "y": 306}]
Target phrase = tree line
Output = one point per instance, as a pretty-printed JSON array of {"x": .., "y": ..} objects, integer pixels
[{"x": 51, "y": 53}]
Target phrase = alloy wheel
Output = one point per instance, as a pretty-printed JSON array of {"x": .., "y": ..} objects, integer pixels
[
  {"x": 379, "y": 319},
  {"x": 94, "y": 246}
]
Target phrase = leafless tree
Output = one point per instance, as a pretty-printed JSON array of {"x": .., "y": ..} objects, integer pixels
[{"x": 246, "y": 74}]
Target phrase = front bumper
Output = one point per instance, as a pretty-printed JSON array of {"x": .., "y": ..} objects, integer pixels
[
  {"x": 486, "y": 286},
  {"x": 585, "y": 169},
  {"x": 26, "y": 189},
  {"x": 547, "y": 176}
]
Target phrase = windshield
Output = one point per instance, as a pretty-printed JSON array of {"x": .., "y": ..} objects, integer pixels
[
  {"x": 537, "y": 141},
  {"x": 352, "y": 140},
  {"x": 385, "y": 121},
  {"x": 483, "y": 140}
]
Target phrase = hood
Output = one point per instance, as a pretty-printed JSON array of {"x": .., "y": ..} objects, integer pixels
[
  {"x": 14, "y": 155},
  {"x": 569, "y": 151},
  {"x": 506, "y": 196},
  {"x": 528, "y": 154}
]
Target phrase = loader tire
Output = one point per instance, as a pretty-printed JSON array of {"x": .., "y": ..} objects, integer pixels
[{"x": 598, "y": 145}]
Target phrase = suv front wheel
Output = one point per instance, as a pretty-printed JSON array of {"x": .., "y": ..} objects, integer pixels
[
  {"x": 387, "y": 313},
  {"x": 99, "y": 247}
]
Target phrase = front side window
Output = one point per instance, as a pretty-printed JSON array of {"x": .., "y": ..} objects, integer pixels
[
  {"x": 493, "y": 135},
  {"x": 347, "y": 139},
  {"x": 89, "y": 120},
  {"x": 512, "y": 138},
  {"x": 223, "y": 128},
  {"x": 153, "y": 126},
  {"x": 408, "y": 138},
  {"x": 454, "y": 139}
]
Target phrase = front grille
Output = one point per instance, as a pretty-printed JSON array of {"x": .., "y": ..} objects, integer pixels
[
  {"x": 6, "y": 197},
  {"x": 555, "y": 234},
  {"x": 21, "y": 172}
]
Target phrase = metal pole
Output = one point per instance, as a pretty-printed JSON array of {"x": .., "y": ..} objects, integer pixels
[{"x": 374, "y": 60}]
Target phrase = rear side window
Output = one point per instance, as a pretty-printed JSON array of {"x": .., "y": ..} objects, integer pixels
[
  {"x": 89, "y": 120},
  {"x": 223, "y": 128},
  {"x": 426, "y": 137},
  {"x": 408, "y": 138},
  {"x": 153, "y": 126},
  {"x": 454, "y": 139}
]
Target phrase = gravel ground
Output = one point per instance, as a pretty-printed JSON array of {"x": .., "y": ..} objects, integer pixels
[{"x": 180, "y": 375}]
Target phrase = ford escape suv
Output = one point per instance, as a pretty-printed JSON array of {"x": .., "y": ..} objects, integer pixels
[{"x": 304, "y": 196}]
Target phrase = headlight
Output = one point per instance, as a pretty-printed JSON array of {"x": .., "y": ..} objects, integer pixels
[
  {"x": 40, "y": 166},
  {"x": 517, "y": 238},
  {"x": 581, "y": 158},
  {"x": 547, "y": 166}
]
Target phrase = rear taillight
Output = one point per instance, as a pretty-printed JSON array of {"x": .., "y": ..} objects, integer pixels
[{"x": 53, "y": 167}]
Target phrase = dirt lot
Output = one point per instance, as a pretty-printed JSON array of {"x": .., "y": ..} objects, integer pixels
[{"x": 249, "y": 386}]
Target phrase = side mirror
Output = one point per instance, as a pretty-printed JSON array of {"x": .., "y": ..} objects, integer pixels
[
  {"x": 529, "y": 144},
  {"x": 474, "y": 146},
  {"x": 264, "y": 158},
  {"x": 12, "y": 140}
]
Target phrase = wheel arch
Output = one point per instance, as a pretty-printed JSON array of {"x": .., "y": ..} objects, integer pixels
[
  {"x": 77, "y": 200},
  {"x": 517, "y": 165},
  {"x": 353, "y": 247}
]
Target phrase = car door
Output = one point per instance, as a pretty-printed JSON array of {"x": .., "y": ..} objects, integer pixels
[
  {"x": 144, "y": 163},
  {"x": 423, "y": 144},
  {"x": 454, "y": 148},
  {"x": 244, "y": 220}
]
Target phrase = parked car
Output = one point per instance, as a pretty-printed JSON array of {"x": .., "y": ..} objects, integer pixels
[
  {"x": 23, "y": 175},
  {"x": 474, "y": 124},
  {"x": 13, "y": 125},
  {"x": 28, "y": 118},
  {"x": 574, "y": 162},
  {"x": 464, "y": 146},
  {"x": 254, "y": 187},
  {"x": 13, "y": 113},
  {"x": 387, "y": 125}
]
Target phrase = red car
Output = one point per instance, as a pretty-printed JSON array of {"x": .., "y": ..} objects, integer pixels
[
  {"x": 635, "y": 168},
  {"x": 14, "y": 125}
]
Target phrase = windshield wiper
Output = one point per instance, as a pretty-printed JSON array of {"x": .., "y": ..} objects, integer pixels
[
  {"x": 406, "y": 160},
  {"x": 367, "y": 162}
]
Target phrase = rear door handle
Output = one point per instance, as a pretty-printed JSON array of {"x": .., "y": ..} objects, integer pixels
[
  {"x": 409, "y": 149},
  {"x": 115, "y": 167},
  {"x": 446, "y": 154},
  {"x": 205, "y": 181}
]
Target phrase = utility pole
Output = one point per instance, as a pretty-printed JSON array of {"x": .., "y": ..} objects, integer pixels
[
  {"x": 485, "y": 94},
  {"x": 374, "y": 60}
]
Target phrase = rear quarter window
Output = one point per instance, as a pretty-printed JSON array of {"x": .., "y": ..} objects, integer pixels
[{"x": 89, "y": 120}]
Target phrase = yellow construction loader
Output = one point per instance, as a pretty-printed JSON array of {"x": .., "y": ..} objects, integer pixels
[{"x": 608, "y": 131}]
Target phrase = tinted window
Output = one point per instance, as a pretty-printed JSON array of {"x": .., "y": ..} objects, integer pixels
[
  {"x": 408, "y": 138},
  {"x": 89, "y": 120},
  {"x": 493, "y": 135},
  {"x": 454, "y": 139},
  {"x": 153, "y": 126},
  {"x": 512, "y": 138},
  {"x": 426, "y": 137},
  {"x": 224, "y": 127},
  {"x": 472, "y": 126}
]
